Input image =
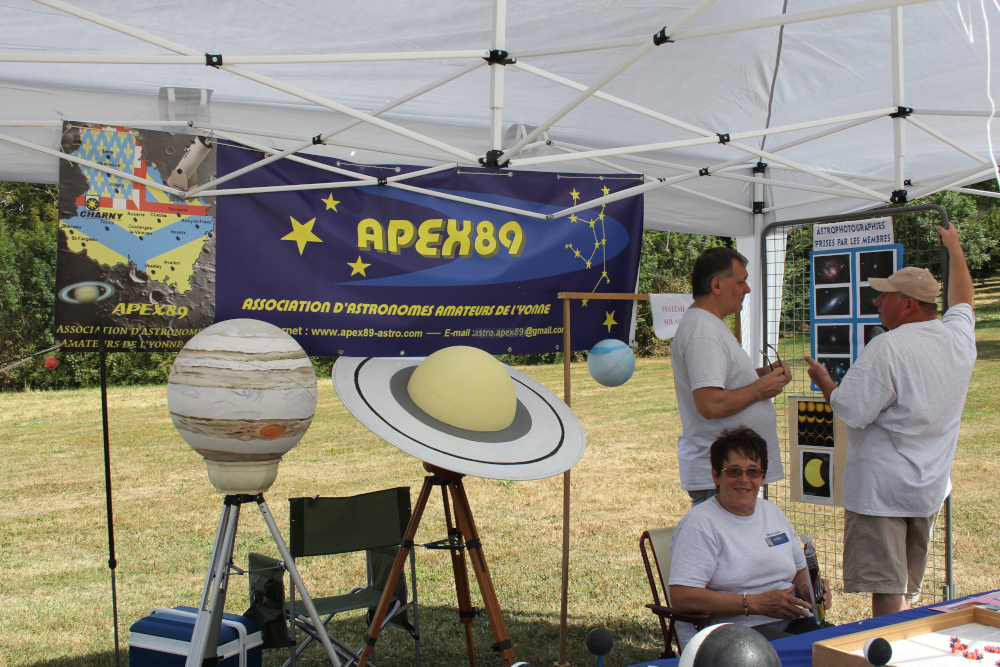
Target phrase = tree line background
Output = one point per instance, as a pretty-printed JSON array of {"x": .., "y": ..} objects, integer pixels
[{"x": 28, "y": 235}]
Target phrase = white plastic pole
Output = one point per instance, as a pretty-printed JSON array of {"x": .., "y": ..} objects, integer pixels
[
  {"x": 824, "y": 133},
  {"x": 968, "y": 177},
  {"x": 783, "y": 184},
  {"x": 797, "y": 17},
  {"x": 476, "y": 202},
  {"x": 951, "y": 112},
  {"x": 238, "y": 60},
  {"x": 306, "y": 144},
  {"x": 940, "y": 137},
  {"x": 261, "y": 79},
  {"x": 497, "y": 74},
  {"x": 554, "y": 118},
  {"x": 92, "y": 165},
  {"x": 979, "y": 193},
  {"x": 126, "y": 123},
  {"x": 898, "y": 96}
]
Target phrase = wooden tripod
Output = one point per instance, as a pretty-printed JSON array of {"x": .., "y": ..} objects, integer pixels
[{"x": 461, "y": 536}]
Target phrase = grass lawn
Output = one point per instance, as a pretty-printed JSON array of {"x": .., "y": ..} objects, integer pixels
[{"x": 55, "y": 585}]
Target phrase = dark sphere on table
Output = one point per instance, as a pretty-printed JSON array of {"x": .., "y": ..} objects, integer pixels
[
  {"x": 731, "y": 645},
  {"x": 878, "y": 651}
]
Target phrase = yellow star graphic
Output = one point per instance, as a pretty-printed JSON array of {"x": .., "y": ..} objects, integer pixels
[
  {"x": 609, "y": 321},
  {"x": 605, "y": 191},
  {"x": 302, "y": 233},
  {"x": 592, "y": 223},
  {"x": 585, "y": 302},
  {"x": 588, "y": 263},
  {"x": 572, "y": 217},
  {"x": 575, "y": 195},
  {"x": 600, "y": 216},
  {"x": 358, "y": 267},
  {"x": 330, "y": 203},
  {"x": 604, "y": 274}
]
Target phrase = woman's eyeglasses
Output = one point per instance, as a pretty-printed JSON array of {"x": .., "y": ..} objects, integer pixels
[{"x": 735, "y": 472}]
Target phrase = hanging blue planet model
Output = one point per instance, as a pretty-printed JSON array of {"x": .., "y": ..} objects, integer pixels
[{"x": 611, "y": 362}]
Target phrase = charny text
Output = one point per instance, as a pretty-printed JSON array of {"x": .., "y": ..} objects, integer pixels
[{"x": 440, "y": 238}]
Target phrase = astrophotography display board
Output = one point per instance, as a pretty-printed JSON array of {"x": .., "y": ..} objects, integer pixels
[
  {"x": 133, "y": 263},
  {"x": 944, "y": 640},
  {"x": 817, "y": 442},
  {"x": 843, "y": 316}
]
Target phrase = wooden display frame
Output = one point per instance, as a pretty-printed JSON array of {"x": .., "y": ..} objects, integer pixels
[{"x": 836, "y": 652}]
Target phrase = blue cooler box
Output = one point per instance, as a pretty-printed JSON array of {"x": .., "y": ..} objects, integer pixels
[{"x": 163, "y": 639}]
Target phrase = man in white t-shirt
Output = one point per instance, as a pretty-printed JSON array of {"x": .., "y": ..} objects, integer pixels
[
  {"x": 716, "y": 385},
  {"x": 902, "y": 402}
]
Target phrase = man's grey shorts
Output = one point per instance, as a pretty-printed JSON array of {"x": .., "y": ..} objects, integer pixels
[
  {"x": 886, "y": 554},
  {"x": 701, "y": 495}
]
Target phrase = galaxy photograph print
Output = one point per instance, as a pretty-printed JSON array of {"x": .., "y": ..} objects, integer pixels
[
  {"x": 832, "y": 269},
  {"x": 833, "y": 302},
  {"x": 876, "y": 264},
  {"x": 837, "y": 367},
  {"x": 866, "y": 300},
  {"x": 833, "y": 339}
]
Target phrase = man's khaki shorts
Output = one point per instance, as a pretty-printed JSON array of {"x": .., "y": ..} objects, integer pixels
[{"x": 886, "y": 554}]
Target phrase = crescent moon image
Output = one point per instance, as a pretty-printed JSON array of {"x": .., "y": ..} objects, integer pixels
[{"x": 812, "y": 473}]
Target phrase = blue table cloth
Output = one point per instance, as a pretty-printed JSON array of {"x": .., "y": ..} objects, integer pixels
[{"x": 797, "y": 651}]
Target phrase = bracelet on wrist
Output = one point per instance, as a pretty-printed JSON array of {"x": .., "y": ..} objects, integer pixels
[{"x": 746, "y": 609}]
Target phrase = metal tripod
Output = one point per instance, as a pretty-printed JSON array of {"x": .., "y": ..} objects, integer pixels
[{"x": 205, "y": 638}]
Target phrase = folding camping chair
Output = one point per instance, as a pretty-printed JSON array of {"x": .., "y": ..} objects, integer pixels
[
  {"x": 372, "y": 522},
  {"x": 656, "y": 542}
]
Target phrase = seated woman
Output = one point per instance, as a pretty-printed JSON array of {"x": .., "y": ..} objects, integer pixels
[{"x": 736, "y": 556}]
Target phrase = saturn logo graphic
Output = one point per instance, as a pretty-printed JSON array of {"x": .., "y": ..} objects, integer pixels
[{"x": 86, "y": 292}]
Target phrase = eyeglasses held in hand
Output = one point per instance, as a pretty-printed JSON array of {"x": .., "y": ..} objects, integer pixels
[
  {"x": 735, "y": 472},
  {"x": 768, "y": 346}
]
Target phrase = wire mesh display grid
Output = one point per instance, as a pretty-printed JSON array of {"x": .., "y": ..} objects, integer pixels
[{"x": 789, "y": 317}]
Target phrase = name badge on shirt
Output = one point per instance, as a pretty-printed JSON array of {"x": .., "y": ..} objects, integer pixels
[{"x": 776, "y": 539}]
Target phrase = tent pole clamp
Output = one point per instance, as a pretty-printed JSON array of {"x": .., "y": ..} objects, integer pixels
[
  {"x": 499, "y": 57},
  {"x": 898, "y": 197},
  {"x": 662, "y": 37},
  {"x": 723, "y": 138},
  {"x": 760, "y": 167},
  {"x": 758, "y": 208},
  {"x": 492, "y": 159},
  {"x": 318, "y": 139},
  {"x": 213, "y": 59},
  {"x": 901, "y": 112},
  {"x": 703, "y": 172}
]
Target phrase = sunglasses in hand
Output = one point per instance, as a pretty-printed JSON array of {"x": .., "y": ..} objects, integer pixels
[{"x": 777, "y": 359}]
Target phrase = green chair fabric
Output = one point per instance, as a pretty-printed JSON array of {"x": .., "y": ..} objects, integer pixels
[{"x": 374, "y": 523}]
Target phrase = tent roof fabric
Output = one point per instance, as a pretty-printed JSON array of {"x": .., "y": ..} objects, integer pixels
[{"x": 693, "y": 88}]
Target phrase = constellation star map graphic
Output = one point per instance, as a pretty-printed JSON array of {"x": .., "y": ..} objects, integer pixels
[{"x": 597, "y": 248}]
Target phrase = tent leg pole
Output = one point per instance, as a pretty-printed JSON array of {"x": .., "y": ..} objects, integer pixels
[{"x": 112, "y": 561}]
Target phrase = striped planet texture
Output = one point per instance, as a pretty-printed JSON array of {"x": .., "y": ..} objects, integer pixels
[{"x": 242, "y": 390}]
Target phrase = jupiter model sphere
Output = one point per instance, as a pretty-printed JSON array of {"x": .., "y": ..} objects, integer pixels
[{"x": 242, "y": 393}]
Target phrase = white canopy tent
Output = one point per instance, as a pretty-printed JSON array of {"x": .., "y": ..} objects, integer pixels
[{"x": 738, "y": 114}]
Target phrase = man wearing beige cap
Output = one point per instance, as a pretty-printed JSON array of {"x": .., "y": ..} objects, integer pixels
[{"x": 902, "y": 402}]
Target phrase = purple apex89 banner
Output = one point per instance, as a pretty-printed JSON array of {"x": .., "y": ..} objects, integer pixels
[{"x": 383, "y": 271}]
